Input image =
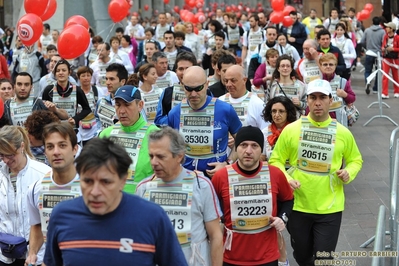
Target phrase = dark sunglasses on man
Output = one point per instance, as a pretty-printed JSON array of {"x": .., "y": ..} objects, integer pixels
[{"x": 196, "y": 89}]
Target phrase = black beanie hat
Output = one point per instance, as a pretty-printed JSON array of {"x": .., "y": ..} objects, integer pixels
[{"x": 250, "y": 133}]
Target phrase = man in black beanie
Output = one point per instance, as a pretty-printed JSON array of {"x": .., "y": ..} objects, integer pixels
[{"x": 248, "y": 191}]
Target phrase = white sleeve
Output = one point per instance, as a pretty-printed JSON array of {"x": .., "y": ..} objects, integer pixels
[
  {"x": 255, "y": 109},
  {"x": 33, "y": 202},
  {"x": 245, "y": 39},
  {"x": 173, "y": 78},
  {"x": 226, "y": 41},
  {"x": 296, "y": 56},
  {"x": 210, "y": 205},
  {"x": 127, "y": 63}
]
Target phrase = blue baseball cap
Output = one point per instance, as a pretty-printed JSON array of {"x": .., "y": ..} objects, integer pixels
[{"x": 128, "y": 93}]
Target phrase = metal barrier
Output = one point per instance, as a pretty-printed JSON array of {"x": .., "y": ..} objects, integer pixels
[{"x": 379, "y": 238}]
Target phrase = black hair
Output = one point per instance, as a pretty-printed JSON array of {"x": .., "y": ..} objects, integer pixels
[
  {"x": 220, "y": 34},
  {"x": 103, "y": 152},
  {"x": 376, "y": 21},
  {"x": 127, "y": 38},
  {"x": 119, "y": 69},
  {"x": 119, "y": 29},
  {"x": 186, "y": 56},
  {"x": 323, "y": 32},
  {"x": 24, "y": 74},
  {"x": 180, "y": 34},
  {"x": 226, "y": 59},
  {"x": 169, "y": 32}
]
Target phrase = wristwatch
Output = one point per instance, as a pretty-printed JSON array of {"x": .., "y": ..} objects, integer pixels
[{"x": 284, "y": 218}]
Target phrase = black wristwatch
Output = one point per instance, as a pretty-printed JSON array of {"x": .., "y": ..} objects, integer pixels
[{"x": 284, "y": 218}]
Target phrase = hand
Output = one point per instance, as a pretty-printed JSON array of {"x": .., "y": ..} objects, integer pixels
[
  {"x": 231, "y": 142},
  {"x": 31, "y": 259},
  {"x": 71, "y": 121},
  {"x": 313, "y": 52},
  {"x": 277, "y": 223},
  {"x": 389, "y": 49},
  {"x": 341, "y": 93},
  {"x": 295, "y": 101},
  {"x": 343, "y": 175},
  {"x": 294, "y": 184},
  {"x": 291, "y": 39},
  {"x": 209, "y": 51},
  {"x": 217, "y": 165},
  {"x": 50, "y": 106}
]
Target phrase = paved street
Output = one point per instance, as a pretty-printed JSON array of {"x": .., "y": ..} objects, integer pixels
[{"x": 371, "y": 187}]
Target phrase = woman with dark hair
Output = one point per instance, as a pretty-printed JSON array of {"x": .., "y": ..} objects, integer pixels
[
  {"x": 67, "y": 96},
  {"x": 150, "y": 94},
  {"x": 285, "y": 82},
  {"x": 213, "y": 27},
  {"x": 130, "y": 46},
  {"x": 279, "y": 111}
]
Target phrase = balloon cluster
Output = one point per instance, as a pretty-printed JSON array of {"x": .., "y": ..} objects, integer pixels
[
  {"x": 30, "y": 25},
  {"x": 281, "y": 13},
  {"x": 365, "y": 13}
]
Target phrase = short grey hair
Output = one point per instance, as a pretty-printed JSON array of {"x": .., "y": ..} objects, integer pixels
[
  {"x": 158, "y": 55},
  {"x": 312, "y": 42},
  {"x": 177, "y": 144}
]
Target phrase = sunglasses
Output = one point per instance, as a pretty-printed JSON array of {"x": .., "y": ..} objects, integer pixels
[{"x": 197, "y": 89}]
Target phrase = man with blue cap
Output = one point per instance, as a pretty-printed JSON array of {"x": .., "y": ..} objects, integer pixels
[
  {"x": 315, "y": 146},
  {"x": 131, "y": 132}
]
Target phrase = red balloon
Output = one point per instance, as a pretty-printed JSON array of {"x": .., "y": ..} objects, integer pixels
[
  {"x": 200, "y": 17},
  {"x": 369, "y": 7},
  {"x": 260, "y": 9},
  {"x": 73, "y": 41},
  {"x": 29, "y": 28},
  {"x": 358, "y": 16},
  {"x": 50, "y": 11},
  {"x": 189, "y": 16},
  {"x": 77, "y": 19},
  {"x": 287, "y": 21},
  {"x": 276, "y": 17},
  {"x": 117, "y": 10},
  {"x": 37, "y": 7},
  {"x": 228, "y": 9},
  {"x": 176, "y": 9},
  {"x": 146, "y": 7},
  {"x": 166, "y": 2},
  {"x": 191, "y": 3},
  {"x": 278, "y": 5},
  {"x": 287, "y": 10},
  {"x": 199, "y": 4},
  {"x": 365, "y": 14}
]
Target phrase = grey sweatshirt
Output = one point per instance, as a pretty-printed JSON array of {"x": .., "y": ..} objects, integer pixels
[{"x": 372, "y": 38}]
